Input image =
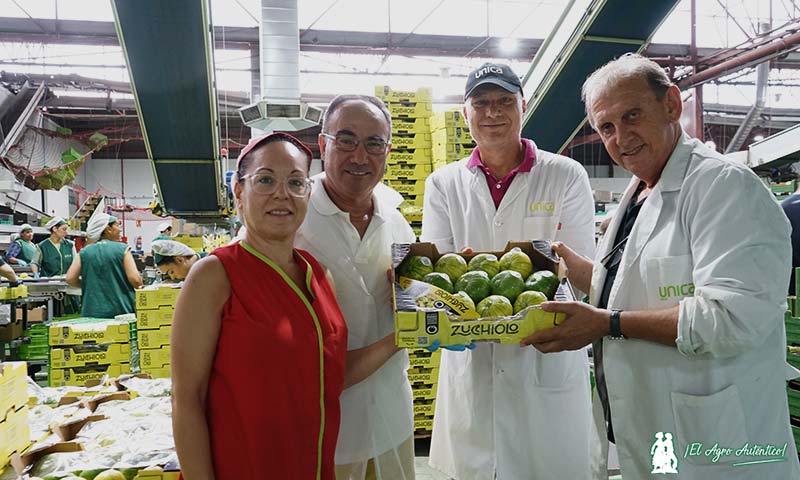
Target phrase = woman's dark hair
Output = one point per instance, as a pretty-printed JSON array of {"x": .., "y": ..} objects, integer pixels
[
  {"x": 244, "y": 160},
  {"x": 166, "y": 259}
]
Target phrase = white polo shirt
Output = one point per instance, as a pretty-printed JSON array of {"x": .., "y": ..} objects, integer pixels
[{"x": 377, "y": 413}]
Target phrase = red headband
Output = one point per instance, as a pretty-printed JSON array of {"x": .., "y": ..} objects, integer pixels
[{"x": 258, "y": 141}]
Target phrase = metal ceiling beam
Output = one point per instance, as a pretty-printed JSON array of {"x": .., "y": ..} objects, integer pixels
[{"x": 84, "y": 32}]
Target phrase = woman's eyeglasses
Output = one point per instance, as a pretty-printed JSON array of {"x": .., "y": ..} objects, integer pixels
[{"x": 267, "y": 184}]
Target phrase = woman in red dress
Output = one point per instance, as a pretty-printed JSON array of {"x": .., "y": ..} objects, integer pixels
[{"x": 258, "y": 340}]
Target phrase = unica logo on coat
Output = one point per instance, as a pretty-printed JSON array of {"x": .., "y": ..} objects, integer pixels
[
  {"x": 540, "y": 207},
  {"x": 681, "y": 290}
]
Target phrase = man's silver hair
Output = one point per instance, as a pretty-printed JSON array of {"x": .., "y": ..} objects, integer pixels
[
  {"x": 630, "y": 65},
  {"x": 340, "y": 100}
]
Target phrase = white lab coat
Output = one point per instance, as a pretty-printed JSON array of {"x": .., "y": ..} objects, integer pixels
[
  {"x": 711, "y": 239},
  {"x": 504, "y": 410}
]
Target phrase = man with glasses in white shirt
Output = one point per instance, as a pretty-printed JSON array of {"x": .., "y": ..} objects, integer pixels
[{"x": 350, "y": 226}]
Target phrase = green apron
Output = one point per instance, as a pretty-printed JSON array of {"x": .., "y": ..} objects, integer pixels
[
  {"x": 55, "y": 260},
  {"x": 106, "y": 291},
  {"x": 28, "y": 251}
]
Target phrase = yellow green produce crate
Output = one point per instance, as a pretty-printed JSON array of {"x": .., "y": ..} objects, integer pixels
[
  {"x": 416, "y": 157},
  {"x": 156, "y": 318},
  {"x": 11, "y": 293},
  {"x": 410, "y": 110},
  {"x": 13, "y": 386},
  {"x": 425, "y": 391},
  {"x": 414, "y": 200},
  {"x": 408, "y": 171},
  {"x": 427, "y": 376},
  {"x": 451, "y": 151},
  {"x": 447, "y": 119},
  {"x": 411, "y": 142},
  {"x": 424, "y": 407},
  {"x": 420, "y": 95},
  {"x": 195, "y": 243},
  {"x": 154, "y": 338},
  {"x": 791, "y": 303},
  {"x": 402, "y": 126},
  {"x": 423, "y": 424},
  {"x": 408, "y": 187},
  {"x": 78, "y": 376},
  {"x": 432, "y": 360},
  {"x": 88, "y": 330},
  {"x": 152, "y": 358},
  {"x": 412, "y": 213},
  {"x": 150, "y": 298},
  {"x": 83, "y": 355},
  {"x": 161, "y": 372},
  {"x": 457, "y": 135},
  {"x": 15, "y": 434},
  {"x": 425, "y": 313},
  {"x": 796, "y": 434},
  {"x": 792, "y": 329}
]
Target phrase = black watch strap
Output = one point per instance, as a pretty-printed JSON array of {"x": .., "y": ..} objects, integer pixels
[{"x": 615, "y": 331}]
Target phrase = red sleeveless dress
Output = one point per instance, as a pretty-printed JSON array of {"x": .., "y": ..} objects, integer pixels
[{"x": 273, "y": 392}]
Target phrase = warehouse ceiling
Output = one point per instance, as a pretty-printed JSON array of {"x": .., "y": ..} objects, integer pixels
[{"x": 351, "y": 45}]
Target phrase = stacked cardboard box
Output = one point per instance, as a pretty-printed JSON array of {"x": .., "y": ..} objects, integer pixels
[
  {"x": 14, "y": 431},
  {"x": 84, "y": 349},
  {"x": 424, "y": 377},
  {"x": 451, "y": 138},
  {"x": 154, "y": 310},
  {"x": 410, "y": 161}
]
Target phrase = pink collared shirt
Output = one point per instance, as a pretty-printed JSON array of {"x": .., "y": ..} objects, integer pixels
[{"x": 498, "y": 188}]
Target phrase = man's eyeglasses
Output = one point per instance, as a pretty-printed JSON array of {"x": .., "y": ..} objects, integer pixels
[
  {"x": 346, "y": 142},
  {"x": 267, "y": 184}
]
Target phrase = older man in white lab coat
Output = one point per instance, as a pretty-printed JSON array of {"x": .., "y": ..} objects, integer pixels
[
  {"x": 502, "y": 411},
  {"x": 688, "y": 295}
]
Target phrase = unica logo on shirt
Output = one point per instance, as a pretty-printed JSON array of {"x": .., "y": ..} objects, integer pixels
[
  {"x": 669, "y": 291},
  {"x": 540, "y": 207}
]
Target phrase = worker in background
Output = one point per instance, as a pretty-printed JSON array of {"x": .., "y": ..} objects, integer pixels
[
  {"x": 56, "y": 251},
  {"x": 350, "y": 226},
  {"x": 105, "y": 271},
  {"x": 56, "y": 254},
  {"x": 791, "y": 207},
  {"x": 498, "y": 405},
  {"x": 164, "y": 231},
  {"x": 687, "y": 292},
  {"x": 22, "y": 251},
  {"x": 173, "y": 259},
  {"x": 260, "y": 302}
]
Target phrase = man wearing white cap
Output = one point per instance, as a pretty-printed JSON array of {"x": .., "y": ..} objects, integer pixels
[
  {"x": 164, "y": 231},
  {"x": 22, "y": 250},
  {"x": 105, "y": 271}
]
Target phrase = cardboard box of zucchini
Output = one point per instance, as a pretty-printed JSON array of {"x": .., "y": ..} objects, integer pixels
[{"x": 476, "y": 297}]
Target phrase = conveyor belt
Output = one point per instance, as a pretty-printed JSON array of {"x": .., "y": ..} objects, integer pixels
[{"x": 169, "y": 53}]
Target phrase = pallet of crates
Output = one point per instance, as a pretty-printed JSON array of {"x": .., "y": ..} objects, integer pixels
[
  {"x": 423, "y": 375},
  {"x": 153, "y": 330},
  {"x": 85, "y": 349},
  {"x": 14, "y": 431}
]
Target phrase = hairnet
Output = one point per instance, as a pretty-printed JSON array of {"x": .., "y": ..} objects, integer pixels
[
  {"x": 171, "y": 248},
  {"x": 163, "y": 226},
  {"x": 54, "y": 222},
  {"x": 25, "y": 226},
  {"x": 98, "y": 223}
]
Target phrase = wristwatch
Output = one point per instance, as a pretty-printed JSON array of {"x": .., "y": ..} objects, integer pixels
[{"x": 615, "y": 331}]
